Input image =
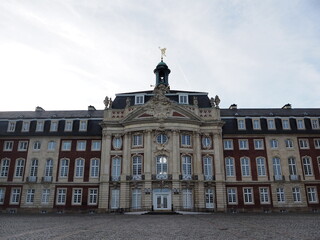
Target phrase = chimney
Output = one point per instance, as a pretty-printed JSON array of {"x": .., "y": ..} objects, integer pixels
[
  {"x": 91, "y": 108},
  {"x": 287, "y": 106},
  {"x": 233, "y": 106},
  {"x": 39, "y": 109}
]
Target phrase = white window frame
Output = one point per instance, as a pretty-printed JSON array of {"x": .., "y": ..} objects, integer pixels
[
  {"x": 81, "y": 145},
  {"x": 183, "y": 98},
  {"x": 48, "y": 169},
  {"x": 162, "y": 166},
  {"x": 300, "y": 124},
  {"x": 116, "y": 168},
  {"x": 23, "y": 146},
  {"x": 232, "y": 196},
  {"x": 264, "y": 195},
  {"x": 228, "y": 144},
  {"x": 30, "y": 196},
  {"x": 15, "y": 196},
  {"x": 261, "y": 166},
  {"x": 77, "y": 196},
  {"x": 2, "y": 195},
  {"x": 137, "y": 165},
  {"x": 315, "y": 123},
  {"x": 312, "y": 194},
  {"x": 271, "y": 124},
  {"x": 256, "y": 124},
  {"x": 241, "y": 123},
  {"x": 136, "y": 198},
  {"x": 316, "y": 143},
  {"x": 79, "y": 167},
  {"x": 277, "y": 169},
  {"x": 96, "y": 145},
  {"x": 274, "y": 143},
  {"x": 137, "y": 140},
  {"x": 54, "y": 126},
  {"x": 186, "y": 166},
  {"x": 304, "y": 143},
  {"x": 117, "y": 142},
  {"x": 243, "y": 144},
  {"x": 139, "y": 99},
  {"x": 296, "y": 194},
  {"x": 285, "y": 124},
  {"x": 248, "y": 197},
  {"x": 187, "y": 196},
  {"x": 292, "y": 166},
  {"x": 64, "y": 168},
  {"x": 289, "y": 143},
  {"x": 206, "y": 142},
  {"x": 66, "y": 145},
  {"x": 68, "y": 126},
  {"x": 115, "y": 199},
  {"x": 52, "y": 145},
  {"x": 83, "y": 125},
  {"x": 61, "y": 196},
  {"x": 93, "y": 194},
  {"x": 45, "y": 196},
  {"x": 307, "y": 166},
  {"x": 230, "y": 168},
  {"x": 8, "y": 146},
  {"x": 245, "y": 167},
  {"x": 281, "y": 197},
  {"x": 11, "y": 126},
  {"x": 186, "y": 140},
  {"x": 4, "y": 170},
  {"x": 40, "y": 126},
  {"x": 19, "y": 168},
  {"x": 25, "y": 126},
  {"x": 207, "y": 167},
  {"x": 34, "y": 167},
  {"x": 258, "y": 144},
  {"x": 94, "y": 167},
  {"x": 36, "y": 146}
]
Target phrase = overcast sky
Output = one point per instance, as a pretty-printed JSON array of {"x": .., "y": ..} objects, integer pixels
[{"x": 68, "y": 54}]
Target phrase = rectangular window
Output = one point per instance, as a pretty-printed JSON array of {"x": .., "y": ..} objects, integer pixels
[
  {"x": 300, "y": 124},
  {"x": 232, "y": 195},
  {"x": 261, "y": 166},
  {"x": 136, "y": 166},
  {"x": 95, "y": 145},
  {"x": 274, "y": 143},
  {"x": 258, "y": 144},
  {"x": 8, "y": 146},
  {"x": 248, "y": 195},
  {"x": 4, "y": 167},
  {"x": 79, "y": 168},
  {"x": 11, "y": 126},
  {"x": 48, "y": 169},
  {"x": 185, "y": 139},
  {"x": 296, "y": 194},
  {"x": 30, "y": 196},
  {"x": 54, "y": 126},
  {"x": 64, "y": 167},
  {"x": 264, "y": 195},
  {"x": 93, "y": 196},
  {"x": 285, "y": 124},
  {"x": 280, "y": 195},
  {"x": 243, "y": 144},
  {"x": 292, "y": 168},
  {"x": 289, "y": 143},
  {"x": 68, "y": 126},
  {"x": 37, "y": 145},
  {"x": 2, "y": 195},
  {"x": 138, "y": 99},
  {"x": 241, "y": 124},
  {"x": 271, "y": 124},
  {"x": 40, "y": 126},
  {"x": 307, "y": 169},
  {"x": 25, "y": 126},
  {"x": 256, "y": 124},
  {"x": 187, "y": 198},
  {"x": 23, "y": 146},
  {"x": 207, "y": 167},
  {"x": 228, "y": 144},
  {"x": 136, "y": 199},
  {"x": 277, "y": 168},
  {"x": 61, "y": 196},
  {"x": 116, "y": 168},
  {"x": 317, "y": 143},
  {"x": 183, "y": 99},
  {"x": 77, "y": 196},
  {"x": 83, "y": 125},
  {"x": 245, "y": 167},
  {"x": 94, "y": 168},
  {"x": 115, "y": 198},
  {"x": 66, "y": 146},
  {"x": 51, "y": 145},
  {"x": 312, "y": 194},
  {"x": 315, "y": 123},
  {"x": 304, "y": 143},
  {"x": 45, "y": 196},
  {"x": 229, "y": 167},
  {"x": 19, "y": 168},
  {"x": 137, "y": 140},
  {"x": 81, "y": 145},
  {"x": 15, "y": 195}
]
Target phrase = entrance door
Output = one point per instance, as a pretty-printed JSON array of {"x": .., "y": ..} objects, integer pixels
[
  {"x": 209, "y": 198},
  {"x": 161, "y": 199}
]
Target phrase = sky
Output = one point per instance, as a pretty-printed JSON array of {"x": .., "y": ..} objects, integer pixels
[{"x": 69, "y": 54}]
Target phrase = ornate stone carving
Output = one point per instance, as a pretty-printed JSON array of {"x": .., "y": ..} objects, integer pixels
[{"x": 160, "y": 105}]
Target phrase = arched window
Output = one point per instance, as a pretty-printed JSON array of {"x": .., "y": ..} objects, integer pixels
[
  {"x": 116, "y": 168},
  {"x": 34, "y": 168},
  {"x": 186, "y": 167},
  {"x": 64, "y": 167},
  {"x": 162, "y": 167},
  {"x": 19, "y": 167},
  {"x": 207, "y": 167},
  {"x": 94, "y": 167},
  {"x": 79, "y": 167}
]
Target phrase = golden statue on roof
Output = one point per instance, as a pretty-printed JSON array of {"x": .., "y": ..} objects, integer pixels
[{"x": 163, "y": 52}]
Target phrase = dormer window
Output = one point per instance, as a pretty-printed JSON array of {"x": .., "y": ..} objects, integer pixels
[
  {"x": 183, "y": 98},
  {"x": 83, "y": 125},
  {"x": 25, "y": 126},
  {"x": 11, "y": 126},
  {"x": 256, "y": 124},
  {"x": 241, "y": 124},
  {"x": 139, "y": 99}
]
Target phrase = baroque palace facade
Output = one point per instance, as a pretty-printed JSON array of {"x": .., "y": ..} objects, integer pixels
[{"x": 160, "y": 150}]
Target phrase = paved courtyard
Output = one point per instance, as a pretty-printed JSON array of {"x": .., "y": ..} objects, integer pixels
[{"x": 212, "y": 226}]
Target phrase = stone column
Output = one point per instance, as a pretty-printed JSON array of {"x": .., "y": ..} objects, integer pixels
[{"x": 175, "y": 155}]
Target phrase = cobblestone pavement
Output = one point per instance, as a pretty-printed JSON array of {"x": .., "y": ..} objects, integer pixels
[{"x": 212, "y": 226}]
